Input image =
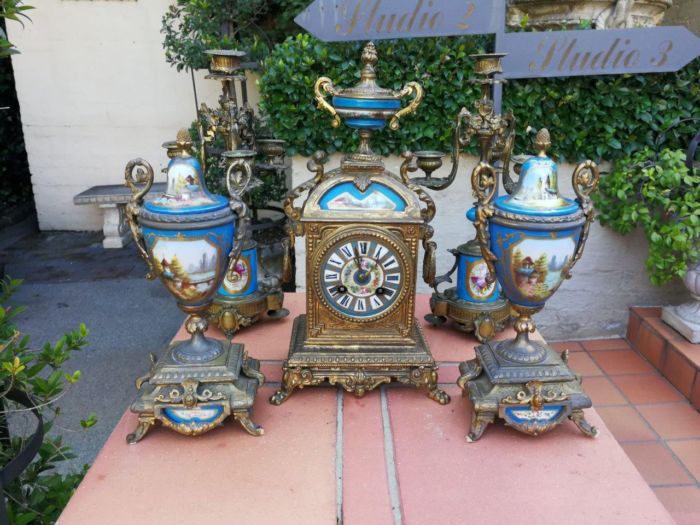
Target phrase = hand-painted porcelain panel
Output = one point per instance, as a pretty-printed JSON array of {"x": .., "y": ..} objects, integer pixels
[
  {"x": 472, "y": 283},
  {"x": 191, "y": 263},
  {"x": 185, "y": 192},
  {"x": 535, "y": 422},
  {"x": 531, "y": 264},
  {"x": 245, "y": 276},
  {"x": 347, "y": 197}
]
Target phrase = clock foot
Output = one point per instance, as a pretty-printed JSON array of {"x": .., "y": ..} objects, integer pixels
[
  {"x": 294, "y": 378},
  {"x": 579, "y": 419},
  {"x": 280, "y": 396},
  {"x": 144, "y": 425},
  {"x": 480, "y": 420},
  {"x": 243, "y": 417}
]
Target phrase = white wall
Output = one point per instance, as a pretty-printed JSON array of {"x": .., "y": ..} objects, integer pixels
[{"x": 95, "y": 91}]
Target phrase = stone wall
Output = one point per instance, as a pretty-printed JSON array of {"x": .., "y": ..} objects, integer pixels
[{"x": 686, "y": 13}]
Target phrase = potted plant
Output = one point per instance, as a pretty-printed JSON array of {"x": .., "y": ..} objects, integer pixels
[
  {"x": 603, "y": 14},
  {"x": 659, "y": 191}
]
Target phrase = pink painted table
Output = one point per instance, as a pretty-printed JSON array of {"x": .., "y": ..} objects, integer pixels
[{"x": 393, "y": 456}]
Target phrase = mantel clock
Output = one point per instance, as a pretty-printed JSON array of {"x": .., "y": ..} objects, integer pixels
[{"x": 363, "y": 227}]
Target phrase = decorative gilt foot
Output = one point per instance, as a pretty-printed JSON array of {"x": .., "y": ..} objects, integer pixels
[
  {"x": 293, "y": 378},
  {"x": 439, "y": 395},
  {"x": 579, "y": 419},
  {"x": 480, "y": 420},
  {"x": 278, "y": 314},
  {"x": 144, "y": 425},
  {"x": 243, "y": 417}
]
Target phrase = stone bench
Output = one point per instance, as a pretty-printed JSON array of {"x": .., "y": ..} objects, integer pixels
[{"x": 112, "y": 199}]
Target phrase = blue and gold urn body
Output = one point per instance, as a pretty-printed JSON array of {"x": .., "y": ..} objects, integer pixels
[
  {"x": 530, "y": 241},
  {"x": 189, "y": 239}
]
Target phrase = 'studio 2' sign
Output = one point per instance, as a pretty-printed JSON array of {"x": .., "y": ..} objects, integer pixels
[{"x": 543, "y": 54}]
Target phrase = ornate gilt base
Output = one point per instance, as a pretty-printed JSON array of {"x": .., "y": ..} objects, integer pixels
[
  {"x": 357, "y": 371},
  {"x": 230, "y": 315},
  {"x": 484, "y": 319},
  {"x": 533, "y": 398},
  {"x": 192, "y": 399}
]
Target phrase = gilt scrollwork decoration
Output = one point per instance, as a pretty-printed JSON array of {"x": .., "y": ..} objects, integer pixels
[
  {"x": 484, "y": 186},
  {"x": 315, "y": 165},
  {"x": 584, "y": 180},
  {"x": 325, "y": 84},
  {"x": 139, "y": 177},
  {"x": 535, "y": 396},
  {"x": 409, "y": 89}
]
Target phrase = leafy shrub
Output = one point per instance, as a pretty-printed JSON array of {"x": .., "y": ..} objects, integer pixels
[
  {"x": 598, "y": 117},
  {"x": 660, "y": 195},
  {"x": 39, "y": 494}
]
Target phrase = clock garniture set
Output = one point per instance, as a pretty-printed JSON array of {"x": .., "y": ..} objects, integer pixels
[{"x": 363, "y": 227}]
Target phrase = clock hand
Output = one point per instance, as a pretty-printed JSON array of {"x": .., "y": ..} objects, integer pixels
[{"x": 358, "y": 261}]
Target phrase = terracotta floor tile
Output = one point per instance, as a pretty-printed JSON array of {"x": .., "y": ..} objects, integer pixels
[
  {"x": 647, "y": 311},
  {"x": 603, "y": 392},
  {"x": 633, "y": 325},
  {"x": 695, "y": 395},
  {"x": 672, "y": 420},
  {"x": 626, "y": 424},
  {"x": 689, "y": 453},
  {"x": 679, "y": 372},
  {"x": 617, "y": 362},
  {"x": 582, "y": 363},
  {"x": 646, "y": 388},
  {"x": 366, "y": 497},
  {"x": 656, "y": 464},
  {"x": 650, "y": 344},
  {"x": 596, "y": 345},
  {"x": 688, "y": 349},
  {"x": 432, "y": 458},
  {"x": 682, "y": 502},
  {"x": 571, "y": 346}
]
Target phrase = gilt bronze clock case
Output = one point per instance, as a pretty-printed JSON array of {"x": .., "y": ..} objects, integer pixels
[{"x": 363, "y": 227}]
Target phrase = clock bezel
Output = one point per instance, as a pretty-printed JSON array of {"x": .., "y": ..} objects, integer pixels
[{"x": 362, "y": 233}]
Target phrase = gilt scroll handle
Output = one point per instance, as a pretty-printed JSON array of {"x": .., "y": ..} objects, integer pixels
[
  {"x": 508, "y": 183},
  {"x": 139, "y": 177},
  {"x": 325, "y": 84},
  {"x": 238, "y": 177},
  {"x": 584, "y": 180},
  {"x": 293, "y": 213},
  {"x": 447, "y": 277},
  {"x": 410, "y": 88},
  {"x": 484, "y": 182}
]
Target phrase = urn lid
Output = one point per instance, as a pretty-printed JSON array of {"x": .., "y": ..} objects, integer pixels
[
  {"x": 368, "y": 87},
  {"x": 537, "y": 190},
  {"x": 186, "y": 192}
]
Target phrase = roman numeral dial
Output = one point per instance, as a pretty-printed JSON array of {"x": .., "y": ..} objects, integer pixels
[{"x": 362, "y": 277}]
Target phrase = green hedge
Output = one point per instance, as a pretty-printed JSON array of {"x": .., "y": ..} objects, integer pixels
[{"x": 604, "y": 117}]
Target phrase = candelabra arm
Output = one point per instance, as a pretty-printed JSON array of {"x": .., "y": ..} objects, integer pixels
[
  {"x": 139, "y": 177},
  {"x": 410, "y": 88},
  {"x": 584, "y": 180},
  {"x": 508, "y": 183},
  {"x": 447, "y": 277},
  {"x": 484, "y": 182},
  {"x": 294, "y": 212},
  {"x": 326, "y": 84},
  {"x": 238, "y": 177}
]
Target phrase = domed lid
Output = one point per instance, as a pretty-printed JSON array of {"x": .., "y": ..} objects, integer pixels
[
  {"x": 537, "y": 191},
  {"x": 368, "y": 87},
  {"x": 186, "y": 192}
]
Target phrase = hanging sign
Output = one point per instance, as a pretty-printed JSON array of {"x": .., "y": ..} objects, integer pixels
[
  {"x": 345, "y": 20},
  {"x": 608, "y": 52}
]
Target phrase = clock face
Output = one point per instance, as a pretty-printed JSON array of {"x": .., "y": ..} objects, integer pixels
[{"x": 362, "y": 277}]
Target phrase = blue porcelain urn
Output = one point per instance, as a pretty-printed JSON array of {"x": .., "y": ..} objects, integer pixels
[
  {"x": 189, "y": 239},
  {"x": 530, "y": 240}
]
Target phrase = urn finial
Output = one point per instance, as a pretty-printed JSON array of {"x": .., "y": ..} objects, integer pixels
[
  {"x": 369, "y": 59},
  {"x": 543, "y": 142}
]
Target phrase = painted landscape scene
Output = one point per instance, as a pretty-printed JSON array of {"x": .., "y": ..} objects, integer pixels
[
  {"x": 538, "y": 265},
  {"x": 187, "y": 268}
]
